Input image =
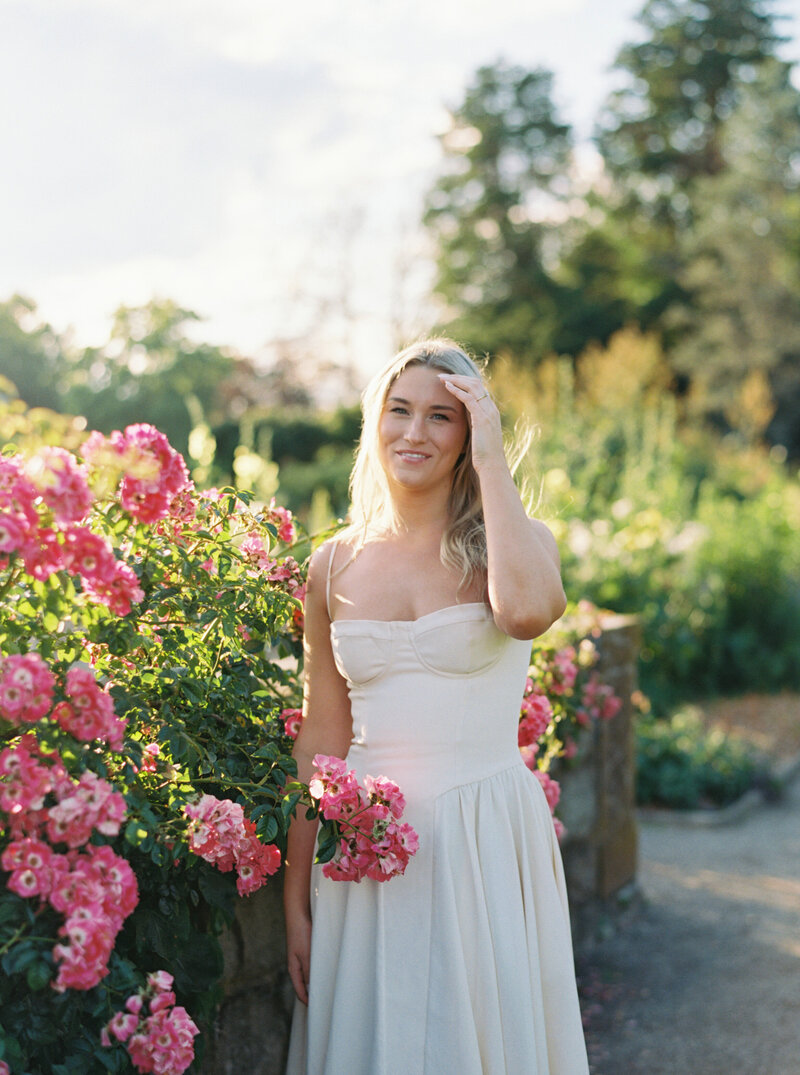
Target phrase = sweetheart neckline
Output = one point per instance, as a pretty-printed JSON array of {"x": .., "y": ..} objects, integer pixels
[{"x": 419, "y": 619}]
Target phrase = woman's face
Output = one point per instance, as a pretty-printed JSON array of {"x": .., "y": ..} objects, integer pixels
[{"x": 422, "y": 430}]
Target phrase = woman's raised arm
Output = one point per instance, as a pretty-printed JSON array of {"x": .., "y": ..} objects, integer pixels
[{"x": 524, "y": 570}]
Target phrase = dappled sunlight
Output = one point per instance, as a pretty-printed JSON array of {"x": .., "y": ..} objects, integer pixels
[{"x": 778, "y": 893}]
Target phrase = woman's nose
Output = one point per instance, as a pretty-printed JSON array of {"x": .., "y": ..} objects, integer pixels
[{"x": 415, "y": 430}]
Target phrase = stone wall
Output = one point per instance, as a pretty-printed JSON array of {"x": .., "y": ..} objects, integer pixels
[
  {"x": 598, "y": 807},
  {"x": 251, "y": 1031},
  {"x": 598, "y": 795}
]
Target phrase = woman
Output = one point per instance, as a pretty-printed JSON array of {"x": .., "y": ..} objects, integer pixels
[{"x": 418, "y": 626}]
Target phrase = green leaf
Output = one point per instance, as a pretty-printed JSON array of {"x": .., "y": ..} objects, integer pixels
[
  {"x": 218, "y": 890},
  {"x": 326, "y": 847},
  {"x": 135, "y": 834},
  {"x": 38, "y": 976},
  {"x": 269, "y": 830},
  {"x": 289, "y": 804},
  {"x": 198, "y": 965},
  {"x": 21, "y": 956}
]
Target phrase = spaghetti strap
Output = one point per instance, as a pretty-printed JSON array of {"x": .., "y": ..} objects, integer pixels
[{"x": 334, "y": 546}]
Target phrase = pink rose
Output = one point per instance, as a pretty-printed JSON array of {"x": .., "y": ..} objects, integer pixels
[
  {"x": 26, "y": 688},
  {"x": 550, "y": 787},
  {"x": 292, "y": 719},
  {"x": 61, "y": 482}
]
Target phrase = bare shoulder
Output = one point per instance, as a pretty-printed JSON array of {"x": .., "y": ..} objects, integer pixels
[
  {"x": 329, "y": 557},
  {"x": 320, "y": 562}
]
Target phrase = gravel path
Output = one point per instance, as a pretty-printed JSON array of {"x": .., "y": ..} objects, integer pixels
[{"x": 704, "y": 977}]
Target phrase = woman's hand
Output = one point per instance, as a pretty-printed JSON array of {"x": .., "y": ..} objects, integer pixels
[
  {"x": 298, "y": 952},
  {"x": 484, "y": 417}
]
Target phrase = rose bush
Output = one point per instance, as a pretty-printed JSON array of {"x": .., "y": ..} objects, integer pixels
[
  {"x": 150, "y": 639},
  {"x": 150, "y": 653}
]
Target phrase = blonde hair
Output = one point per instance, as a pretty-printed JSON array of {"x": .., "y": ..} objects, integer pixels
[{"x": 463, "y": 544}]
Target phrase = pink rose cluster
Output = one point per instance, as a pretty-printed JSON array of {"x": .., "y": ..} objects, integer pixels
[
  {"x": 220, "y": 834},
  {"x": 552, "y": 792},
  {"x": 292, "y": 719},
  {"x": 563, "y": 671},
  {"x": 54, "y": 480},
  {"x": 289, "y": 576},
  {"x": 105, "y": 578},
  {"x": 154, "y": 474},
  {"x": 26, "y": 695},
  {"x": 158, "y": 1035},
  {"x": 550, "y": 787},
  {"x": 372, "y": 842},
  {"x": 93, "y": 887},
  {"x": 89, "y": 713},
  {"x": 536, "y": 714},
  {"x": 26, "y": 688},
  {"x": 598, "y": 702},
  {"x": 61, "y": 482}
]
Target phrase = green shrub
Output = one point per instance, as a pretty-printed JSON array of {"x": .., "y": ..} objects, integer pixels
[{"x": 683, "y": 765}]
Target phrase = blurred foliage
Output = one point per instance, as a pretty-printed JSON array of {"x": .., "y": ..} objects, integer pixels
[
  {"x": 32, "y": 355},
  {"x": 699, "y": 535},
  {"x": 234, "y": 424},
  {"x": 150, "y": 370},
  {"x": 28, "y": 428},
  {"x": 506, "y": 153},
  {"x": 682, "y": 80},
  {"x": 313, "y": 451},
  {"x": 680, "y": 764}
]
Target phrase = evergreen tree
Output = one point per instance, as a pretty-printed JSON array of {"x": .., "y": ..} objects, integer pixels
[
  {"x": 741, "y": 264},
  {"x": 490, "y": 214},
  {"x": 681, "y": 84}
]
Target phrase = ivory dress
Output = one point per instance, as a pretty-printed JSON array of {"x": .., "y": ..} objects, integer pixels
[{"x": 463, "y": 965}]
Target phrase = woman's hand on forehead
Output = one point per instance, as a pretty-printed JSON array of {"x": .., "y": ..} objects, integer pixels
[{"x": 487, "y": 433}]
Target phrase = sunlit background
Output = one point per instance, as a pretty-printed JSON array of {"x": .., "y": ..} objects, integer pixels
[{"x": 261, "y": 163}]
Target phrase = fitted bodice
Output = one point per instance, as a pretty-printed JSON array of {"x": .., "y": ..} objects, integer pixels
[{"x": 435, "y": 701}]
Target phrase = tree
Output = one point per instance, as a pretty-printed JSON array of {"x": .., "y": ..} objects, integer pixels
[
  {"x": 681, "y": 84},
  {"x": 490, "y": 213},
  {"x": 701, "y": 143},
  {"x": 32, "y": 355},
  {"x": 151, "y": 370},
  {"x": 739, "y": 336}
]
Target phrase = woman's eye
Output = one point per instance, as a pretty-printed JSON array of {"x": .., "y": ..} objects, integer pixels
[
  {"x": 399, "y": 410},
  {"x": 443, "y": 417}
]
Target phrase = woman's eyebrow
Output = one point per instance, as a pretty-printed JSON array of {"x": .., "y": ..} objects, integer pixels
[{"x": 433, "y": 406}]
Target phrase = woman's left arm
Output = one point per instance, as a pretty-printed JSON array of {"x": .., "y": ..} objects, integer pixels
[{"x": 524, "y": 571}]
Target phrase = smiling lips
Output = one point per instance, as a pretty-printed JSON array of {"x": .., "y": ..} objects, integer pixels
[{"x": 413, "y": 457}]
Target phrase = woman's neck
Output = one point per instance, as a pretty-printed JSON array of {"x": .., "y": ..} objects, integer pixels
[{"x": 423, "y": 517}]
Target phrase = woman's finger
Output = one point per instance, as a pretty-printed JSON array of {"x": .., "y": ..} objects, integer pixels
[
  {"x": 299, "y": 976},
  {"x": 471, "y": 391}
]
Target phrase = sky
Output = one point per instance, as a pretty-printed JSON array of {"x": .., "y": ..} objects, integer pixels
[{"x": 260, "y": 162}]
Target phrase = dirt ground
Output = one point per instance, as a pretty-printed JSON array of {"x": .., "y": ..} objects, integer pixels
[{"x": 703, "y": 974}]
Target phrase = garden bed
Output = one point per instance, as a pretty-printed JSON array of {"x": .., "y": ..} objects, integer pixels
[
  {"x": 770, "y": 723},
  {"x": 718, "y": 758}
]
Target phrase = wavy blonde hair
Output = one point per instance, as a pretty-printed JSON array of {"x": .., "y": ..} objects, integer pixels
[{"x": 372, "y": 511}]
